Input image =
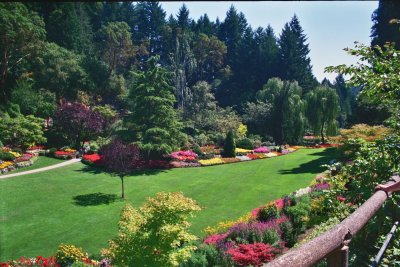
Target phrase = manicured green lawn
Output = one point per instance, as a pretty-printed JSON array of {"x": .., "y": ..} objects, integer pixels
[
  {"x": 81, "y": 206},
  {"x": 41, "y": 162}
]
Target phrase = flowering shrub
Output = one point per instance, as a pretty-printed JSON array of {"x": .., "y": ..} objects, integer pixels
[
  {"x": 266, "y": 232},
  {"x": 25, "y": 157},
  {"x": 226, "y": 225},
  {"x": 208, "y": 162},
  {"x": 69, "y": 254},
  {"x": 187, "y": 155},
  {"x": 252, "y": 254},
  {"x": 216, "y": 238},
  {"x": 263, "y": 149},
  {"x": 36, "y": 147},
  {"x": 252, "y": 156},
  {"x": 39, "y": 261}
]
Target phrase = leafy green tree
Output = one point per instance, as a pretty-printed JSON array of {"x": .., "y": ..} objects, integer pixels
[
  {"x": 377, "y": 73},
  {"x": 295, "y": 64},
  {"x": 229, "y": 145},
  {"x": 322, "y": 111},
  {"x": 346, "y": 100},
  {"x": 286, "y": 124},
  {"x": 116, "y": 46},
  {"x": 159, "y": 227},
  {"x": 59, "y": 71},
  {"x": 153, "y": 120},
  {"x": 40, "y": 103},
  {"x": 257, "y": 116},
  {"x": 22, "y": 33},
  {"x": 21, "y": 131},
  {"x": 209, "y": 53},
  {"x": 385, "y": 29}
]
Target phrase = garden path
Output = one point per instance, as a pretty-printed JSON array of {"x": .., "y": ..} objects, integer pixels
[{"x": 40, "y": 169}]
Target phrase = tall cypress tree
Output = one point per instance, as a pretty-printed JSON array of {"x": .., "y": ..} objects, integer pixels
[
  {"x": 383, "y": 31},
  {"x": 295, "y": 64}
]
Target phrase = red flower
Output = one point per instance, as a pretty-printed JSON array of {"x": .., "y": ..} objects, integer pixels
[{"x": 341, "y": 198}]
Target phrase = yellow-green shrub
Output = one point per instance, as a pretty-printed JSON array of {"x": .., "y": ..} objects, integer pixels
[{"x": 69, "y": 254}]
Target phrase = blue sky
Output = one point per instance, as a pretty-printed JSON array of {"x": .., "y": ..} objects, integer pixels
[{"x": 330, "y": 26}]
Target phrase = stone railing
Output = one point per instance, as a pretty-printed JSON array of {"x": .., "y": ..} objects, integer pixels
[{"x": 333, "y": 244}]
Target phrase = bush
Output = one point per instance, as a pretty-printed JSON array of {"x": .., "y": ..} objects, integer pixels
[
  {"x": 52, "y": 152},
  {"x": 196, "y": 149},
  {"x": 205, "y": 255},
  {"x": 299, "y": 216},
  {"x": 67, "y": 255},
  {"x": 288, "y": 233},
  {"x": 265, "y": 232},
  {"x": 252, "y": 254},
  {"x": 6, "y": 156},
  {"x": 245, "y": 143},
  {"x": 268, "y": 213},
  {"x": 229, "y": 146}
]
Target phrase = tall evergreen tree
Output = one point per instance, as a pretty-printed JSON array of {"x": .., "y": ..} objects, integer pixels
[
  {"x": 183, "y": 18},
  {"x": 295, "y": 64},
  {"x": 383, "y": 30},
  {"x": 152, "y": 117}
]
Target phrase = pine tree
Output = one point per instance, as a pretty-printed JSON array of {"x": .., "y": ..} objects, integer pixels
[
  {"x": 295, "y": 64},
  {"x": 153, "y": 119},
  {"x": 383, "y": 30}
]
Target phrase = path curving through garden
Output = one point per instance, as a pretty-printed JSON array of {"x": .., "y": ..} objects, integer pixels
[{"x": 40, "y": 169}]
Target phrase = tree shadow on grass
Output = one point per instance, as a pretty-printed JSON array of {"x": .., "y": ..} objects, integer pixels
[
  {"x": 95, "y": 199},
  {"x": 314, "y": 166},
  {"x": 100, "y": 170}
]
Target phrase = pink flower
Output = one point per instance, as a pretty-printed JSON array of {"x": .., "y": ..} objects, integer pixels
[
  {"x": 214, "y": 239},
  {"x": 341, "y": 198}
]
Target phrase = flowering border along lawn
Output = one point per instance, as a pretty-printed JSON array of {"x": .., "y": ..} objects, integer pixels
[{"x": 80, "y": 205}]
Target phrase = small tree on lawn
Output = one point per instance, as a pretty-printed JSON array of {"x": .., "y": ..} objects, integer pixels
[
  {"x": 119, "y": 159},
  {"x": 230, "y": 145}
]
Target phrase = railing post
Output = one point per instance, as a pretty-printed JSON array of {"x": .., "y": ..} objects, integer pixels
[{"x": 339, "y": 257}]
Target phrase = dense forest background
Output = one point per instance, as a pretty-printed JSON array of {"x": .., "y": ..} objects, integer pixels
[{"x": 224, "y": 75}]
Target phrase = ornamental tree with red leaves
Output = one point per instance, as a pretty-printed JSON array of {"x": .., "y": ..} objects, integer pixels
[
  {"x": 119, "y": 159},
  {"x": 78, "y": 122},
  {"x": 252, "y": 254}
]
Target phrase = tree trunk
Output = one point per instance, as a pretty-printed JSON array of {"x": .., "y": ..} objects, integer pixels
[{"x": 122, "y": 183}]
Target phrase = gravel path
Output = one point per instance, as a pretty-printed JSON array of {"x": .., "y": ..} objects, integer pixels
[{"x": 40, "y": 169}]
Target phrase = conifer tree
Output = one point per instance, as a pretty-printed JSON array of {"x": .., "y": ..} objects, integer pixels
[
  {"x": 230, "y": 145},
  {"x": 295, "y": 64},
  {"x": 385, "y": 29},
  {"x": 153, "y": 119}
]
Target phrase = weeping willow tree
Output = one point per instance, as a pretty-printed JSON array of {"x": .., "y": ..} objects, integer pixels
[
  {"x": 322, "y": 111},
  {"x": 287, "y": 119}
]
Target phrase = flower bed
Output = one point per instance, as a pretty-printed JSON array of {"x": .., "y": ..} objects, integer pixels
[
  {"x": 209, "y": 162},
  {"x": 65, "y": 154},
  {"x": 92, "y": 159},
  {"x": 263, "y": 149},
  {"x": 230, "y": 160},
  {"x": 16, "y": 160},
  {"x": 187, "y": 155}
]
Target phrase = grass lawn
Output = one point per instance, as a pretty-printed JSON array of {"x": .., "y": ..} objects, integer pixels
[
  {"x": 81, "y": 206},
  {"x": 41, "y": 162}
]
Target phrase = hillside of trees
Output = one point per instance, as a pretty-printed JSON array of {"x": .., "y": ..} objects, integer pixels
[{"x": 168, "y": 81}]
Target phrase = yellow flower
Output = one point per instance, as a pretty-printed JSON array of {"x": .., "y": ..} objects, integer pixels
[{"x": 207, "y": 162}]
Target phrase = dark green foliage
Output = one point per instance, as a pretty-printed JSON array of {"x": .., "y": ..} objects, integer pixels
[
  {"x": 299, "y": 215},
  {"x": 204, "y": 256},
  {"x": 383, "y": 29},
  {"x": 295, "y": 63},
  {"x": 268, "y": 213},
  {"x": 245, "y": 143},
  {"x": 288, "y": 233},
  {"x": 196, "y": 149},
  {"x": 153, "y": 119},
  {"x": 6, "y": 156},
  {"x": 52, "y": 151},
  {"x": 229, "y": 146}
]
